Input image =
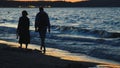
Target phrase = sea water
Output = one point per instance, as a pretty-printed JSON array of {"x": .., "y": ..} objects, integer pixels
[{"x": 91, "y": 31}]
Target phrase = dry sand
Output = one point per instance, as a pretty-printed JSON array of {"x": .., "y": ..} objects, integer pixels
[{"x": 13, "y": 57}]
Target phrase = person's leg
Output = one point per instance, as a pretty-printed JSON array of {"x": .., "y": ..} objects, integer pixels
[
  {"x": 40, "y": 40},
  {"x": 26, "y": 45},
  {"x": 44, "y": 51},
  {"x": 20, "y": 45},
  {"x": 43, "y": 44},
  {"x": 42, "y": 36}
]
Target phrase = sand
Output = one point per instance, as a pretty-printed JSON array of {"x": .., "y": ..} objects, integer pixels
[{"x": 11, "y": 56}]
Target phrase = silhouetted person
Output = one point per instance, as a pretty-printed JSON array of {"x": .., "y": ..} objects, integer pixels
[
  {"x": 23, "y": 29},
  {"x": 42, "y": 23}
]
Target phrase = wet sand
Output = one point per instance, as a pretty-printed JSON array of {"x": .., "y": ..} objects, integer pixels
[{"x": 11, "y": 56}]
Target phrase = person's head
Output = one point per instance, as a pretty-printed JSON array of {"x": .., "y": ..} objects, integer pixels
[
  {"x": 24, "y": 13},
  {"x": 41, "y": 9}
]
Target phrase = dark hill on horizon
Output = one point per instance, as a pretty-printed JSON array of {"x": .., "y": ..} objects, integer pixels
[
  {"x": 105, "y": 3},
  {"x": 91, "y": 3}
]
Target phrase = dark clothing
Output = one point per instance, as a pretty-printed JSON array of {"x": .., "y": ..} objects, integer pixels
[
  {"x": 42, "y": 32},
  {"x": 23, "y": 30},
  {"x": 42, "y": 23}
]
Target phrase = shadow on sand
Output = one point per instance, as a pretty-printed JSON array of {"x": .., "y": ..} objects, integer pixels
[{"x": 14, "y": 57}]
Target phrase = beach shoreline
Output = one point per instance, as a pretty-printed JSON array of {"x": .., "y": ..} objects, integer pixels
[{"x": 52, "y": 59}]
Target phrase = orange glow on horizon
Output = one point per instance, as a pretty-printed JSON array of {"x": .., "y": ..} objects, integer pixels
[
  {"x": 54, "y": 0},
  {"x": 75, "y": 0}
]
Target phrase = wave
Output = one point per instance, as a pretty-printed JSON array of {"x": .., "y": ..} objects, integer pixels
[{"x": 86, "y": 31}]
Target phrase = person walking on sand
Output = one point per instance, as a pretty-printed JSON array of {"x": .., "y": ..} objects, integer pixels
[
  {"x": 42, "y": 23},
  {"x": 23, "y": 29}
]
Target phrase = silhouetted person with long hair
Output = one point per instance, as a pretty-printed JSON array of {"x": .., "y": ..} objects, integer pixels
[
  {"x": 42, "y": 23},
  {"x": 23, "y": 29}
]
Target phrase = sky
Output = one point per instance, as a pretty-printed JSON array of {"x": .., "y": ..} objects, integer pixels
[{"x": 52, "y": 0}]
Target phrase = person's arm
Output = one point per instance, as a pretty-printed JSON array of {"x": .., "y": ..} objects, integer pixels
[
  {"x": 48, "y": 24},
  {"x": 36, "y": 23},
  {"x": 18, "y": 27},
  {"x": 49, "y": 28}
]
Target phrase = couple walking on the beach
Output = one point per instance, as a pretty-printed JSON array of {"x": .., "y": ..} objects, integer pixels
[{"x": 42, "y": 23}]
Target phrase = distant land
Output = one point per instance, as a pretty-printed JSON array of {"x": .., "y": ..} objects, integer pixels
[{"x": 33, "y": 4}]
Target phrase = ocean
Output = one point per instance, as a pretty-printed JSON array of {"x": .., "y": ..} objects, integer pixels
[{"x": 91, "y": 31}]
